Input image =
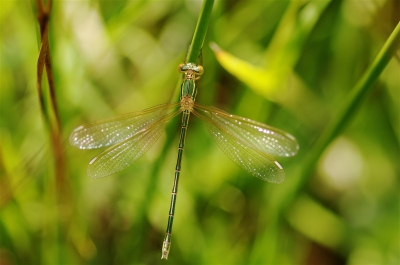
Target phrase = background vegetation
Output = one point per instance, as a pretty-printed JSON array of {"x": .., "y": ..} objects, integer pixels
[{"x": 288, "y": 64}]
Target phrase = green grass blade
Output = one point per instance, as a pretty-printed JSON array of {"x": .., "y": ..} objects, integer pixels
[
  {"x": 352, "y": 104},
  {"x": 200, "y": 31},
  {"x": 338, "y": 125},
  {"x": 195, "y": 48}
]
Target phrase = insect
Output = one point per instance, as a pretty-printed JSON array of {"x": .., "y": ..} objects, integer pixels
[{"x": 248, "y": 143}]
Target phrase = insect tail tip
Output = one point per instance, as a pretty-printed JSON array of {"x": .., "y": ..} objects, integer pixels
[{"x": 166, "y": 246}]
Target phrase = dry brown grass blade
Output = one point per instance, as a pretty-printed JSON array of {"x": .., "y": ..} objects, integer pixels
[{"x": 50, "y": 111}]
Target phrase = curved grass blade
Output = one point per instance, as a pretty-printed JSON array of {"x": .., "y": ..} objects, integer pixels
[
  {"x": 114, "y": 130},
  {"x": 240, "y": 148},
  {"x": 120, "y": 156},
  {"x": 266, "y": 139}
]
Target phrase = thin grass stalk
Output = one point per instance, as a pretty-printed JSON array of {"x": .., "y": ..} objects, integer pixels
[
  {"x": 193, "y": 54},
  {"x": 197, "y": 42},
  {"x": 200, "y": 31},
  {"x": 57, "y": 194},
  {"x": 49, "y": 111}
]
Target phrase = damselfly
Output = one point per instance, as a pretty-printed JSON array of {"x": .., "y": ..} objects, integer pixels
[{"x": 248, "y": 143}]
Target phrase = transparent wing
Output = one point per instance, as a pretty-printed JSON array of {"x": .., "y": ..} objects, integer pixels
[
  {"x": 120, "y": 156},
  {"x": 114, "y": 130},
  {"x": 238, "y": 137},
  {"x": 266, "y": 139}
]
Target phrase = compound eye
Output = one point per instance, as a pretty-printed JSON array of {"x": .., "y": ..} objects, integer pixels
[
  {"x": 180, "y": 68},
  {"x": 201, "y": 70}
]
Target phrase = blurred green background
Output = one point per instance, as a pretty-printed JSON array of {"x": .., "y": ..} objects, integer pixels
[{"x": 114, "y": 57}]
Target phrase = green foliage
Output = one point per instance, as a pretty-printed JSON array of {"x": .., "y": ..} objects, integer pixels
[{"x": 339, "y": 203}]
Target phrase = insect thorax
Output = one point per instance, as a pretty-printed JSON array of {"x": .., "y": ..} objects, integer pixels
[
  {"x": 187, "y": 103},
  {"x": 188, "y": 88}
]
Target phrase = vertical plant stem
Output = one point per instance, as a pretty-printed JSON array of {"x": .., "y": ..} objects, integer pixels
[
  {"x": 49, "y": 110},
  {"x": 194, "y": 51},
  {"x": 198, "y": 39},
  {"x": 57, "y": 194},
  {"x": 200, "y": 31}
]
